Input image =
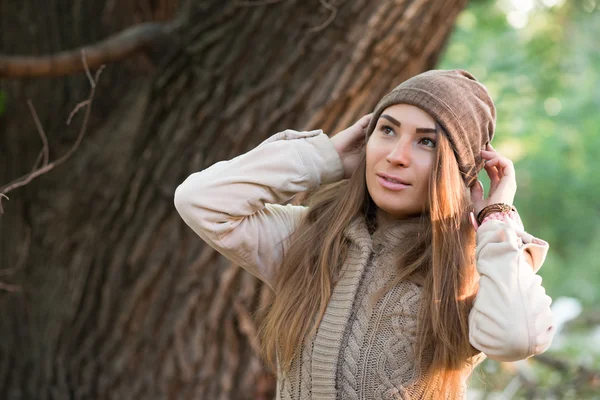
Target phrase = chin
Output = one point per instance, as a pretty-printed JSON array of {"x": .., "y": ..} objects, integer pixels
[
  {"x": 397, "y": 214},
  {"x": 395, "y": 207}
]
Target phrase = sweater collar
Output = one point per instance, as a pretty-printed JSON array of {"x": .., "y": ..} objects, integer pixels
[
  {"x": 386, "y": 233},
  {"x": 395, "y": 236},
  {"x": 388, "y": 239}
]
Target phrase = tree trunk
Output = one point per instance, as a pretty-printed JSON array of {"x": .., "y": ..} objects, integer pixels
[{"x": 108, "y": 294}]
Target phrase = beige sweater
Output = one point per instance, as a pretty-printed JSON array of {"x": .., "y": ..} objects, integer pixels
[{"x": 359, "y": 351}]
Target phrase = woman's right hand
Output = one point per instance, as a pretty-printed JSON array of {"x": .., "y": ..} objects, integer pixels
[{"x": 347, "y": 143}]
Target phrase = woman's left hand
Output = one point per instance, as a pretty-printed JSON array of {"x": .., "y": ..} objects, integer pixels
[{"x": 503, "y": 184}]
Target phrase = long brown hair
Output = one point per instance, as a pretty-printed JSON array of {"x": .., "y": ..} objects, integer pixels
[{"x": 445, "y": 261}]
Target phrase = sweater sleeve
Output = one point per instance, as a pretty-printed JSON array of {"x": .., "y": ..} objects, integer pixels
[
  {"x": 235, "y": 206},
  {"x": 511, "y": 317}
]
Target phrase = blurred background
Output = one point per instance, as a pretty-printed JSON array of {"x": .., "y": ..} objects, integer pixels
[
  {"x": 541, "y": 63},
  {"x": 105, "y": 293}
]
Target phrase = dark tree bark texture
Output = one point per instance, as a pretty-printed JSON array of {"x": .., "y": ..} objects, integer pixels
[{"x": 108, "y": 294}]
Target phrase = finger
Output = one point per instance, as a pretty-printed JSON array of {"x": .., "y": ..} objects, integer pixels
[
  {"x": 504, "y": 165},
  {"x": 488, "y": 155},
  {"x": 492, "y": 171},
  {"x": 364, "y": 120},
  {"x": 491, "y": 148},
  {"x": 491, "y": 153},
  {"x": 494, "y": 180}
]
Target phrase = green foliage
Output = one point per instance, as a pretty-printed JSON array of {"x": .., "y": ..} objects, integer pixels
[
  {"x": 542, "y": 67},
  {"x": 544, "y": 80}
]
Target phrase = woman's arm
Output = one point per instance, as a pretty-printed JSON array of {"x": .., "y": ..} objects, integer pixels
[
  {"x": 235, "y": 205},
  {"x": 511, "y": 317}
]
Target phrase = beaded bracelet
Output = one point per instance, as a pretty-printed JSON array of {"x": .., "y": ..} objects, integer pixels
[
  {"x": 494, "y": 208},
  {"x": 500, "y": 216}
]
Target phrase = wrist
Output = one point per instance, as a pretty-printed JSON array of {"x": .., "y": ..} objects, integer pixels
[
  {"x": 501, "y": 216},
  {"x": 334, "y": 143},
  {"x": 500, "y": 208}
]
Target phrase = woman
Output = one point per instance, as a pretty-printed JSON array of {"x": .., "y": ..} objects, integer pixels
[{"x": 385, "y": 285}]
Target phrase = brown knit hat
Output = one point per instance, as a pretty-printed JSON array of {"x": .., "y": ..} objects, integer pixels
[{"x": 459, "y": 103}]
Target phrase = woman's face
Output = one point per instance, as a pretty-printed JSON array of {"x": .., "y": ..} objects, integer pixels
[{"x": 401, "y": 152}]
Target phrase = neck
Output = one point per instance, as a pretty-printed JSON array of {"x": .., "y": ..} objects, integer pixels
[
  {"x": 401, "y": 241},
  {"x": 384, "y": 219},
  {"x": 392, "y": 232}
]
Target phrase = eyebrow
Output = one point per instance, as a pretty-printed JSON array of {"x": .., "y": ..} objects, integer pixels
[{"x": 397, "y": 123}]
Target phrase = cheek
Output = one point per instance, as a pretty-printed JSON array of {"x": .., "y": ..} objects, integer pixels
[
  {"x": 371, "y": 160},
  {"x": 425, "y": 168},
  {"x": 375, "y": 151},
  {"x": 370, "y": 156}
]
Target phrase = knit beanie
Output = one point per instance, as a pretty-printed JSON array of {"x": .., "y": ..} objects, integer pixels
[{"x": 459, "y": 103}]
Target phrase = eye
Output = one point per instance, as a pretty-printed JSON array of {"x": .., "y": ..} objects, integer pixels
[
  {"x": 386, "y": 130},
  {"x": 428, "y": 142}
]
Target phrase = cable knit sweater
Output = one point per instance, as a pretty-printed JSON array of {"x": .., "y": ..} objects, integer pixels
[
  {"x": 364, "y": 351},
  {"x": 360, "y": 350}
]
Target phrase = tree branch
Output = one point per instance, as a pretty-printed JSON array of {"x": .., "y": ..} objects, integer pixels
[
  {"x": 114, "y": 48},
  {"x": 46, "y": 166},
  {"x": 257, "y": 3},
  {"x": 10, "y": 288},
  {"x": 45, "y": 152},
  {"x": 329, "y": 19}
]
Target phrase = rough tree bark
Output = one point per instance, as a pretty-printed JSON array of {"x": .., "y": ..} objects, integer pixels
[{"x": 115, "y": 297}]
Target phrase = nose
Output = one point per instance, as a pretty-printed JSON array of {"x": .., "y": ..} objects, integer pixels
[{"x": 400, "y": 154}]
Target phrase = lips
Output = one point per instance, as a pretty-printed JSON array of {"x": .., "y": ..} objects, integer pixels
[{"x": 393, "y": 179}]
